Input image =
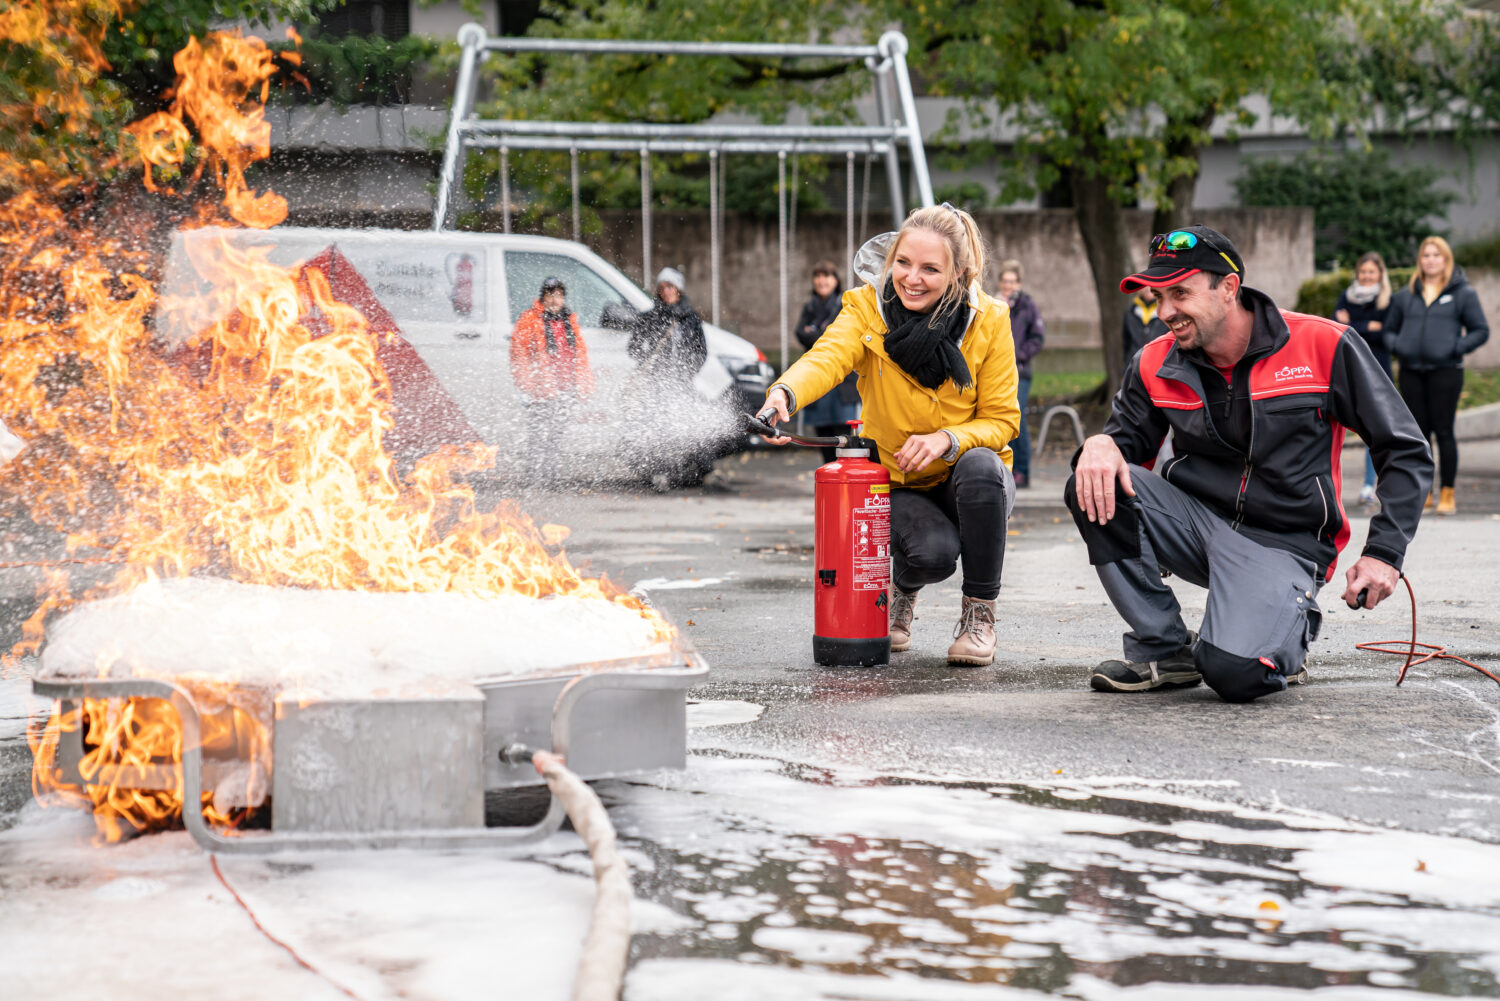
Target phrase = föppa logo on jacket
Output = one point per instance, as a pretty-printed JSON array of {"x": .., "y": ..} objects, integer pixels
[{"x": 1288, "y": 372}]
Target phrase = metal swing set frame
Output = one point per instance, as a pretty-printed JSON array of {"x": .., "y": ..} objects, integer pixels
[{"x": 894, "y": 102}]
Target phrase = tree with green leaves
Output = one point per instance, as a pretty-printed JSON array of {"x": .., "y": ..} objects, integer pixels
[{"x": 1115, "y": 99}]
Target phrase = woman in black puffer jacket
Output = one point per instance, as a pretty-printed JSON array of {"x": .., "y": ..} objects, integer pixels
[
  {"x": 1363, "y": 306},
  {"x": 1432, "y": 324}
]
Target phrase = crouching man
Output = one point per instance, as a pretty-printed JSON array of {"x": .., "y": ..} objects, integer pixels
[{"x": 1258, "y": 400}]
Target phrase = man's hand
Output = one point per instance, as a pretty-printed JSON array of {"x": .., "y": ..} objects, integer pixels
[
  {"x": 778, "y": 401},
  {"x": 1099, "y": 466},
  {"x": 1370, "y": 574},
  {"x": 921, "y": 450}
]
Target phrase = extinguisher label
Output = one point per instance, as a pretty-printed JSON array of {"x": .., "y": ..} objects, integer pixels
[
  {"x": 880, "y": 488},
  {"x": 872, "y": 543}
]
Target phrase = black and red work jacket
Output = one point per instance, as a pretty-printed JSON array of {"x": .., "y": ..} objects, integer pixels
[{"x": 1262, "y": 446}]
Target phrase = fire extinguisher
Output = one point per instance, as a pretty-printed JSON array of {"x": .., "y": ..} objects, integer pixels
[
  {"x": 851, "y": 549},
  {"x": 462, "y": 277}
]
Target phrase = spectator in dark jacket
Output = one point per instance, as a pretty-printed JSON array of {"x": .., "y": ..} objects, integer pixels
[
  {"x": 1363, "y": 306},
  {"x": 1027, "y": 330},
  {"x": 668, "y": 341},
  {"x": 1432, "y": 324},
  {"x": 829, "y": 414},
  {"x": 1141, "y": 325},
  {"x": 669, "y": 349}
]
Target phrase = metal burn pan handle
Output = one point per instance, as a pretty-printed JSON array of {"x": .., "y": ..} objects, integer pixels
[{"x": 260, "y": 844}]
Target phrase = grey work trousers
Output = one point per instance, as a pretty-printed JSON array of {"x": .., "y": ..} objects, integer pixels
[
  {"x": 965, "y": 515},
  {"x": 1262, "y": 607}
]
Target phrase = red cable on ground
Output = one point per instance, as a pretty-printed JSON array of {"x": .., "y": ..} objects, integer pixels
[
  {"x": 1435, "y": 652},
  {"x": 72, "y": 561},
  {"x": 214, "y": 861}
]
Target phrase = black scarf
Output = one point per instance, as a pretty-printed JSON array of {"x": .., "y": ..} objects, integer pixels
[
  {"x": 925, "y": 345},
  {"x": 550, "y": 318},
  {"x": 676, "y": 311}
]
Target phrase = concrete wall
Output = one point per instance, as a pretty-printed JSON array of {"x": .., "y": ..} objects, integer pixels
[{"x": 1277, "y": 245}]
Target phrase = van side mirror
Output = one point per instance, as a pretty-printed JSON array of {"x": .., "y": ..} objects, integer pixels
[{"x": 619, "y": 316}]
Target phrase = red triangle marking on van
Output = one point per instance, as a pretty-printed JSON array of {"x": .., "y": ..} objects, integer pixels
[{"x": 426, "y": 415}]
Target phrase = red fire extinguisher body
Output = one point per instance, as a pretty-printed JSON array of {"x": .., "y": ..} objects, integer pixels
[{"x": 852, "y": 553}]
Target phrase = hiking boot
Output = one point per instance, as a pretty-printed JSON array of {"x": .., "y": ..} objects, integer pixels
[
  {"x": 902, "y": 607},
  {"x": 1446, "y": 503},
  {"x": 974, "y": 636},
  {"x": 1175, "y": 670}
]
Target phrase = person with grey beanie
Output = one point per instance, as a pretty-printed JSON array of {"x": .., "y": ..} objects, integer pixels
[{"x": 668, "y": 339}]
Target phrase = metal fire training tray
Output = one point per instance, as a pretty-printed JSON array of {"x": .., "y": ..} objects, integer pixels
[{"x": 418, "y": 781}]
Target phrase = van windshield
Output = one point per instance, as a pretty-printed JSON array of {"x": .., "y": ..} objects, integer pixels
[{"x": 588, "y": 294}]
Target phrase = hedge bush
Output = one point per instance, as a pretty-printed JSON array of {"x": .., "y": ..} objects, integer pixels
[
  {"x": 1484, "y": 254},
  {"x": 1361, "y": 201},
  {"x": 1320, "y": 293}
]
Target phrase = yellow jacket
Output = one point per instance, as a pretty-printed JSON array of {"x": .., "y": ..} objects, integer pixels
[{"x": 896, "y": 406}]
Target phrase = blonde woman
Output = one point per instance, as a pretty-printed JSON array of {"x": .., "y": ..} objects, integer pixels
[
  {"x": 1363, "y": 306},
  {"x": 1433, "y": 323},
  {"x": 937, "y": 374}
]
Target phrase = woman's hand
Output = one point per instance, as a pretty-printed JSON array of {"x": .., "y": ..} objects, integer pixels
[
  {"x": 921, "y": 450},
  {"x": 1341, "y": 315},
  {"x": 1373, "y": 325},
  {"x": 777, "y": 400}
]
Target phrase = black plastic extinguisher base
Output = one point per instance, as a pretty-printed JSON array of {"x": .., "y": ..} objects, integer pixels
[{"x": 832, "y": 651}]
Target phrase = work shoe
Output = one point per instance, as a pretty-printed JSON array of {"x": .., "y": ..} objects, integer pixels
[
  {"x": 902, "y": 607},
  {"x": 1175, "y": 670},
  {"x": 974, "y": 636},
  {"x": 1446, "y": 503},
  {"x": 1431, "y": 500}
]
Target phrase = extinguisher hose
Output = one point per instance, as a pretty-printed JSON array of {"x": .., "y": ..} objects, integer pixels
[{"x": 761, "y": 425}]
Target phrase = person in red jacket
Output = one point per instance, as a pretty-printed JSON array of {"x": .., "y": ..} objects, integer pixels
[
  {"x": 549, "y": 363},
  {"x": 1257, "y": 400}
]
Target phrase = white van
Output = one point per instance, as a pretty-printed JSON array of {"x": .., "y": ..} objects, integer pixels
[{"x": 455, "y": 298}]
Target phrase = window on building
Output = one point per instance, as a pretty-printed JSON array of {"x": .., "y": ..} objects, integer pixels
[
  {"x": 389, "y": 19},
  {"x": 515, "y": 16}
]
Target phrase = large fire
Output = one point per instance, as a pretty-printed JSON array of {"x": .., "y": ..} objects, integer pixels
[{"x": 255, "y": 452}]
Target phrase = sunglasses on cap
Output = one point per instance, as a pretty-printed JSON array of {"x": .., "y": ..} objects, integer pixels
[{"x": 1178, "y": 239}]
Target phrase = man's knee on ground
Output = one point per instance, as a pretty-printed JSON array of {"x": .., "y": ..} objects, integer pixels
[{"x": 1235, "y": 679}]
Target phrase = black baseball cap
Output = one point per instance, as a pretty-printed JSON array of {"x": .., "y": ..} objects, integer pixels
[
  {"x": 1183, "y": 253},
  {"x": 553, "y": 284}
]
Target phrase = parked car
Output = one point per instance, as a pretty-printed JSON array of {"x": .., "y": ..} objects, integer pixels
[{"x": 454, "y": 299}]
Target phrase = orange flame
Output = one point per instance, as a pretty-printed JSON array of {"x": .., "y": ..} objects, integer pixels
[
  {"x": 255, "y": 452},
  {"x": 218, "y": 82}
]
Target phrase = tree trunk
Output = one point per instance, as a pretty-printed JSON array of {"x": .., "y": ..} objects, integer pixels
[
  {"x": 1101, "y": 220},
  {"x": 1182, "y": 144},
  {"x": 1181, "y": 191}
]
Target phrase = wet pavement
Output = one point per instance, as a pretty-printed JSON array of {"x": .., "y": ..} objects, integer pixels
[{"x": 921, "y": 831}]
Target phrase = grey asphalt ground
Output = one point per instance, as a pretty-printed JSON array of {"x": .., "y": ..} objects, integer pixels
[
  {"x": 737, "y": 558},
  {"x": 890, "y": 833}
]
